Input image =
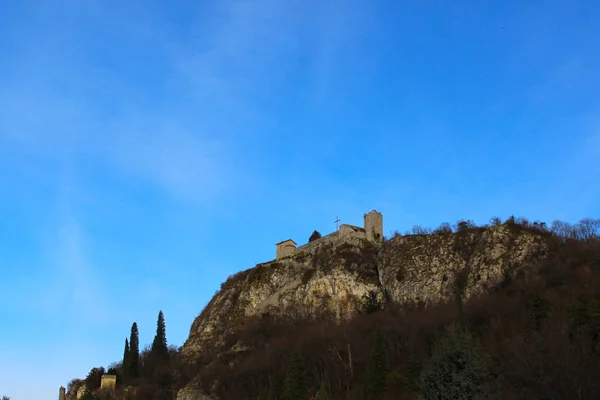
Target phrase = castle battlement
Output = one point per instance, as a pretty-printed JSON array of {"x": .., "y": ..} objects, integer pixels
[{"x": 372, "y": 231}]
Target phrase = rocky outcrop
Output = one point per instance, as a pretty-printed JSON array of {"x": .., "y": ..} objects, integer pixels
[
  {"x": 329, "y": 275},
  {"x": 420, "y": 268},
  {"x": 191, "y": 393},
  {"x": 326, "y": 275}
]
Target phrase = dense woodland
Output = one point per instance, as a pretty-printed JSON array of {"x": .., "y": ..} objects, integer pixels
[{"x": 534, "y": 336}]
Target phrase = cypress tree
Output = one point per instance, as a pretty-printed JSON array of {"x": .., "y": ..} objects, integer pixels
[
  {"x": 125, "y": 367},
  {"x": 377, "y": 370},
  {"x": 296, "y": 383},
  {"x": 134, "y": 352},
  {"x": 159, "y": 348}
]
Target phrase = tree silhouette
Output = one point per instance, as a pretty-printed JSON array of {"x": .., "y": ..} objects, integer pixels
[
  {"x": 94, "y": 378},
  {"x": 377, "y": 370},
  {"x": 134, "y": 352},
  {"x": 159, "y": 350},
  {"x": 125, "y": 366},
  {"x": 315, "y": 235}
]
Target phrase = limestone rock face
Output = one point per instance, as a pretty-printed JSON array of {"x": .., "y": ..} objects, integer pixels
[
  {"x": 191, "y": 393},
  {"x": 420, "y": 268},
  {"x": 324, "y": 276},
  {"x": 329, "y": 275},
  {"x": 194, "y": 391}
]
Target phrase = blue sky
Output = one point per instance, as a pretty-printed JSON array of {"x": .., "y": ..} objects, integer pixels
[{"x": 149, "y": 149}]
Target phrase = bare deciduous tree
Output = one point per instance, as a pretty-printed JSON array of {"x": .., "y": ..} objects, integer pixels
[{"x": 420, "y": 230}]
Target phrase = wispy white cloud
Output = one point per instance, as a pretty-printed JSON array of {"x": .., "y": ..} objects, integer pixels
[
  {"x": 192, "y": 143},
  {"x": 183, "y": 145},
  {"x": 73, "y": 286},
  {"x": 165, "y": 153},
  {"x": 83, "y": 288},
  {"x": 163, "y": 145}
]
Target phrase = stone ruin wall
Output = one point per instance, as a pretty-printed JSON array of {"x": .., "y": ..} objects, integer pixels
[
  {"x": 351, "y": 232},
  {"x": 331, "y": 238},
  {"x": 109, "y": 382}
]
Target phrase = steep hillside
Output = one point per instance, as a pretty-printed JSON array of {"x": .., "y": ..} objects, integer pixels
[
  {"x": 333, "y": 277},
  {"x": 326, "y": 277},
  {"x": 527, "y": 302},
  {"x": 350, "y": 316}
]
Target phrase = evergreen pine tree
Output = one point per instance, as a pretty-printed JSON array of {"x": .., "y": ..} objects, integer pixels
[
  {"x": 377, "y": 370},
  {"x": 296, "y": 383},
  {"x": 457, "y": 370},
  {"x": 125, "y": 367},
  {"x": 93, "y": 379},
  {"x": 159, "y": 350},
  {"x": 134, "y": 352}
]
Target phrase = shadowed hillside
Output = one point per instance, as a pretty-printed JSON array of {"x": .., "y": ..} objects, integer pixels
[{"x": 510, "y": 310}]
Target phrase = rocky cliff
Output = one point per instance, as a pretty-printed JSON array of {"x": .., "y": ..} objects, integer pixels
[{"x": 332, "y": 276}]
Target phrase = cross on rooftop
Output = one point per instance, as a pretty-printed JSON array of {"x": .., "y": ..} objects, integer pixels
[{"x": 337, "y": 220}]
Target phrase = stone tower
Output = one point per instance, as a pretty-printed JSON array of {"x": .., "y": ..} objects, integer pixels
[
  {"x": 374, "y": 226},
  {"x": 61, "y": 393}
]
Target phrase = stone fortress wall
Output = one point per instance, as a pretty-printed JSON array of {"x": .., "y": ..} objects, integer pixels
[{"x": 372, "y": 231}]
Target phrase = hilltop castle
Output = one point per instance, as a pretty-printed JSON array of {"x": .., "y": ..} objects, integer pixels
[{"x": 372, "y": 231}]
